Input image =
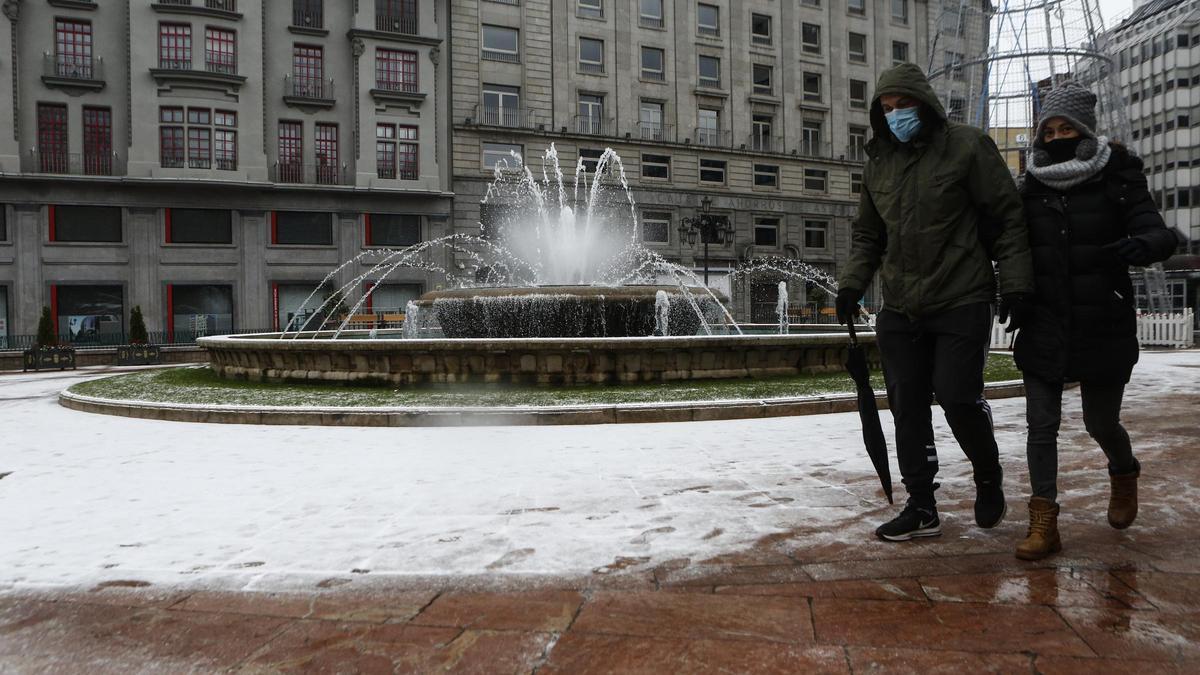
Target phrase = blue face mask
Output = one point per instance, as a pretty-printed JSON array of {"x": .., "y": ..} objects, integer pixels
[{"x": 904, "y": 122}]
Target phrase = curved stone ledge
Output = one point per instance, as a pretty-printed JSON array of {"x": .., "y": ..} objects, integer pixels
[
  {"x": 695, "y": 411},
  {"x": 544, "y": 361}
]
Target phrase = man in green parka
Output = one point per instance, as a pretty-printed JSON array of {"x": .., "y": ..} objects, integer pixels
[{"x": 938, "y": 206}]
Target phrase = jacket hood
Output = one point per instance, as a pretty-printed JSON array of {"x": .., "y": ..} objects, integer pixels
[{"x": 906, "y": 79}]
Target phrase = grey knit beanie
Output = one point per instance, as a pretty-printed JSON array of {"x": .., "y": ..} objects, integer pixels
[{"x": 1073, "y": 102}]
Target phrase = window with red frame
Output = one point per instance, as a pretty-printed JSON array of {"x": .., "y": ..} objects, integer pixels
[
  {"x": 385, "y": 150},
  {"x": 73, "y": 49},
  {"x": 396, "y": 70},
  {"x": 52, "y": 138},
  {"x": 225, "y": 140},
  {"x": 325, "y": 144},
  {"x": 220, "y": 51},
  {"x": 308, "y": 71},
  {"x": 199, "y": 138},
  {"x": 170, "y": 138},
  {"x": 396, "y": 151},
  {"x": 97, "y": 141},
  {"x": 174, "y": 46},
  {"x": 291, "y": 152},
  {"x": 406, "y": 153}
]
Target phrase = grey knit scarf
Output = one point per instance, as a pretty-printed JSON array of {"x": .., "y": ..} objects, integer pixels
[{"x": 1090, "y": 158}]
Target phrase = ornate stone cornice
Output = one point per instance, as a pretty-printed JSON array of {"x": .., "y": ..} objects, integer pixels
[{"x": 12, "y": 9}]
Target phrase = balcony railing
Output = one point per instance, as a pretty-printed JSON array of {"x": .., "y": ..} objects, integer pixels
[
  {"x": 650, "y": 21},
  {"x": 761, "y": 143},
  {"x": 403, "y": 171},
  {"x": 518, "y": 118},
  {"x": 715, "y": 138},
  {"x": 223, "y": 5},
  {"x": 591, "y": 67},
  {"x": 216, "y": 62},
  {"x": 72, "y": 164},
  {"x": 175, "y": 64},
  {"x": 594, "y": 125},
  {"x": 400, "y": 86},
  {"x": 810, "y": 148},
  {"x": 308, "y": 14},
  {"x": 308, "y": 87},
  {"x": 404, "y": 22},
  {"x": 654, "y": 131},
  {"x": 73, "y": 67},
  {"x": 506, "y": 57},
  {"x": 177, "y": 160},
  {"x": 313, "y": 174},
  {"x": 654, "y": 75}
]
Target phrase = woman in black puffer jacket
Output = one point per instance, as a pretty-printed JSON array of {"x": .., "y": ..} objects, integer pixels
[{"x": 1090, "y": 217}]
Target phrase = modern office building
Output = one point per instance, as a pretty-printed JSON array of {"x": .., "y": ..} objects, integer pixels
[
  {"x": 760, "y": 106},
  {"x": 211, "y": 161},
  {"x": 1157, "y": 53}
]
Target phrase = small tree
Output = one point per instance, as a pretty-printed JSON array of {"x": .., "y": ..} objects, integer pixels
[
  {"x": 46, "y": 335},
  {"x": 137, "y": 327}
]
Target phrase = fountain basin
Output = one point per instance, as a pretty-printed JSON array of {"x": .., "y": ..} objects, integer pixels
[
  {"x": 544, "y": 361},
  {"x": 567, "y": 311}
]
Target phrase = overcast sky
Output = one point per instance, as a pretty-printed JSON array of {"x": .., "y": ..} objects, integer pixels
[{"x": 1114, "y": 9}]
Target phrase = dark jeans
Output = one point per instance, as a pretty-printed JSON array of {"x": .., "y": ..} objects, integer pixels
[
  {"x": 1101, "y": 418},
  {"x": 940, "y": 356}
]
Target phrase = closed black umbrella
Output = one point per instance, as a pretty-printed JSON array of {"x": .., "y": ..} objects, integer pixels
[{"x": 868, "y": 412}]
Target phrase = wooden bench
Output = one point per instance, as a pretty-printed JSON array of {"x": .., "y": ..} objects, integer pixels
[{"x": 361, "y": 321}]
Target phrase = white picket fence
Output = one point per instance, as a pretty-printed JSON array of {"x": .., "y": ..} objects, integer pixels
[
  {"x": 1000, "y": 339},
  {"x": 1167, "y": 330},
  {"x": 1153, "y": 330}
]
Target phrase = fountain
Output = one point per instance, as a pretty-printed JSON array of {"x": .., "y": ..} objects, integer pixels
[{"x": 560, "y": 290}]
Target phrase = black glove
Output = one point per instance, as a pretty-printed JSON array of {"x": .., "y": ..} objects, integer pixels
[
  {"x": 1132, "y": 251},
  {"x": 846, "y": 305},
  {"x": 1016, "y": 309}
]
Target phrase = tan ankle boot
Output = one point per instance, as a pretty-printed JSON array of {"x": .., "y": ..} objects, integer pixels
[
  {"x": 1042, "y": 539},
  {"x": 1123, "y": 502}
]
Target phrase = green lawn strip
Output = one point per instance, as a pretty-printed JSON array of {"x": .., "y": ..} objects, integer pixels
[{"x": 201, "y": 385}]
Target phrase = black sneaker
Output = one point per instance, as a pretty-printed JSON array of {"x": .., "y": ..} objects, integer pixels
[
  {"x": 914, "y": 521},
  {"x": 990, "y": 506}
]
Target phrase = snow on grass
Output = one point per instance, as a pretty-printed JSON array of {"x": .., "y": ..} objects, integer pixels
[
  {"x": 199, "y": 385},
  {"x": 95, "y": 497}
]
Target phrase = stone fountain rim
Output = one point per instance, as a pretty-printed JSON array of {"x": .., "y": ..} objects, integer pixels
[
  {"x": 274, "y": 341},
  {"x": 607, "y": 292}
]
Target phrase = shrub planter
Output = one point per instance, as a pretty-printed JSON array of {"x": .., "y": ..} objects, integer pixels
[
  {"x": 138, "y": 355},
  {"x": 48, "y": 358}
]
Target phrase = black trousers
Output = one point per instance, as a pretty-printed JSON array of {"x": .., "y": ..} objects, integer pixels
[
  {"x": 1101, "y": 418},
  {"x": 940, "y": 356}
]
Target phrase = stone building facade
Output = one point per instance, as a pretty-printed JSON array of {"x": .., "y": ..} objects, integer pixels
[
  {"x": 1156, "y": 51},
  {"x": 760, "y": 106},
  {"x": 211, "y": 161}
]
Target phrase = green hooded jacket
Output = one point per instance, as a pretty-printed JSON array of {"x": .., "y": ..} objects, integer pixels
[{"x": 935, "y": 212}]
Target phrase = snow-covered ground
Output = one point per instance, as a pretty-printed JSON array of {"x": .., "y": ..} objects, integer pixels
[{"x": 94, "y": 497}]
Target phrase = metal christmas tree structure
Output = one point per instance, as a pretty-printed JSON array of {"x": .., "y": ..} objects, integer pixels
[{"x": 1031, "y": 47}]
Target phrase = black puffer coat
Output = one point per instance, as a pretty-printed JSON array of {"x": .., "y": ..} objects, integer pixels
[{"x": 1084, "y": 326}]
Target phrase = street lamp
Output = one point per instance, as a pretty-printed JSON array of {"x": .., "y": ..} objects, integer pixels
[{"x": 709, "y": 229}]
